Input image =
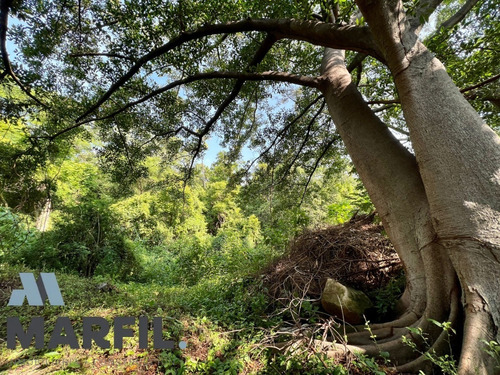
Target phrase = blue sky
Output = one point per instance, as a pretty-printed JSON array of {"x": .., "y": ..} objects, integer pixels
[{"x": 214, "y": 148}]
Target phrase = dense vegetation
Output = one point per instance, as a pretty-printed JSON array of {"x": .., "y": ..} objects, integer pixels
[
  {"x": 72, "y": 214},
  {"x": 107, "y": 108},
  {"x": 191, "y": 251}
]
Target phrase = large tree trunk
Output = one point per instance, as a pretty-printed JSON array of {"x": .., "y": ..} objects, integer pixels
[
  {"x": 458, "y": 158},
  {"x": 391, "y": 176},
  {"x": 388, "y": 171}
]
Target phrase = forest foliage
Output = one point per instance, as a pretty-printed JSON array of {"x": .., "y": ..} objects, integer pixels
[
  {"x": 158, "y": 227},
  {"x": 102, "y": 134},
  {"x": 200, "y": 245}
]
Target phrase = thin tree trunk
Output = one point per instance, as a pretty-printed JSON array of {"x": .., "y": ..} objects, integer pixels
[{"x": 43, "y": 219}]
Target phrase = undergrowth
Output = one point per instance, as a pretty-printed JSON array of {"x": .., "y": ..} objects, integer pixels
[{"x": 225, "y": 322}]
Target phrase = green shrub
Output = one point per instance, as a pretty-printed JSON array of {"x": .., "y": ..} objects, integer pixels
[
  {"x": 386, "y": 298},
  {"x": 83, "y": 239},
  {"x": 445, "y": 362},
  {"x": 15, "y": 235},
  {"x": 302, "y": 362},
  {"x": 158, "y": 217}
]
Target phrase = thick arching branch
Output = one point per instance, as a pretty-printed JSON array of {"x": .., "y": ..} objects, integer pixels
[
  {"x": 315, "y": 32},
  {"x": 460, "y": 15},
  {"x": 259, "y": 56}
]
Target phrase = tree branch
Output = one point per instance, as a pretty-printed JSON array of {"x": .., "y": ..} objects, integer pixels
[
  {"x": 316, "y": 164},
  {"x": 480, "y": 84},
  {"x": 493, "y": 99},
  {"x": 318, "y": 33},
  {"x": 464, "y": 90},
  {"x": 383, "y": 108},
  {"x": 170, "y": 132},
  {"x": 460, "y": 15},
  {"x": 382, "y": 101},
  {"x": 264, "y": 76},
  {"x": 259, "y": 56},
  {"x": 282, "y": 131},
  {"x": 397, "y": 129},
  {"x": 356, "y": 61},
  {"x": 304, "y": 141},
  {"x": 4, "y": 18},
  {"x": 241, "y": 139},
  {"x": 104, "y": 54},
  {"x": 423, "y": 11},
  {"x": 257, "y": 59},
  {"x": 125, "y": 145}
]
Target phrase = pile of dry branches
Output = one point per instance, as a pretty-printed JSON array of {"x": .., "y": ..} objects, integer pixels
[{"x": 356, "y": 254}]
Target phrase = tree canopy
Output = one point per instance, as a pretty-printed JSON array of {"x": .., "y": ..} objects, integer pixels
[{"x": 152, "y": 71}]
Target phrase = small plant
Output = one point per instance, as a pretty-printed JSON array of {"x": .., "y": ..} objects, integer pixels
[
  {"x": 385, "y": 298},
  {"x": 304, "y": 363},
  {"x": 367, "y": 365},
  {"x": 493, "y": 349},
  {"x": 385, "y": 356},
  {"x": 445, "y": 362},
  {"x": 171, "y": 363}
]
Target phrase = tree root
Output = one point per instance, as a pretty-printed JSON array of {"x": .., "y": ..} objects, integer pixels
[
  {"x": 390, "y": 339},
  {"x": 379, "y": 335},
  {"x": 414, "y": 342},
  {"x": 440, "y": 346},
  {"x": 405, "y": 320},
  {"x": 478, "y": 326},
  {"x": 422, "y": 362},
  {"x": 382, "y": 331}
]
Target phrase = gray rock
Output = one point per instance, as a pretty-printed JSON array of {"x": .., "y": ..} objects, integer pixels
[
  {"x": 342, "y": 301},
  {"x": 106, "y": 287}
]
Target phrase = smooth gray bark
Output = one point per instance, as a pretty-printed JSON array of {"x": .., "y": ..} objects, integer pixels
[
  {"x": 391, "y": 176},
  {"x": 459, "y": 160},
  {"x": 388, "y": 171}
]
